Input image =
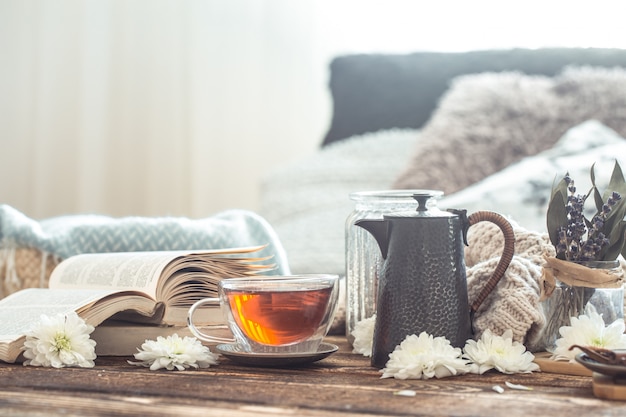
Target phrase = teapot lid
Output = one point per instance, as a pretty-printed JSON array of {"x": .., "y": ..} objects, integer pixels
[{"x": 426, "y": 206}]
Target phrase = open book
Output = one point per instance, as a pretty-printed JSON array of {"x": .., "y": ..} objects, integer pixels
[{"x": 143, "y": 287}]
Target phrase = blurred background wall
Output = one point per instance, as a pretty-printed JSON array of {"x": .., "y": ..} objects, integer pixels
[{"x": 180, "y": 107}]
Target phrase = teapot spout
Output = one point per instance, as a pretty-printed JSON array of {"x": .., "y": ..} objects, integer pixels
[{"x": 379, "y": 229}]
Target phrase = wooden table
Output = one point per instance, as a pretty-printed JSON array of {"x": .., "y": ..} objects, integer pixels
[{"x": 343, "y": 383}]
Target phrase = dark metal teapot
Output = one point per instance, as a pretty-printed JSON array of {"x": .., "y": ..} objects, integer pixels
[{"x": 422, "y": 284}]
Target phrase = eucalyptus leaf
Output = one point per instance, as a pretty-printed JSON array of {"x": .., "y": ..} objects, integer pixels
[
  {"x": 618, "y": 211},
  {"x": 617, "y": 182},
  {"x": 557, "y": 215},
  {"x": 618, "y": 238},
  {"x": 592, "y": 173},
  {"x": 597, "y": 197}
]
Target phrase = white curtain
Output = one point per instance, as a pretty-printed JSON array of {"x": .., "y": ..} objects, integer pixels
[
  {"x": 152, "y": 107},
  {"x": 180, "y": 107}
]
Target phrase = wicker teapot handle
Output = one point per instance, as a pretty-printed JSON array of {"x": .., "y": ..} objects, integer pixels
[{"x": 505, "y": 259}]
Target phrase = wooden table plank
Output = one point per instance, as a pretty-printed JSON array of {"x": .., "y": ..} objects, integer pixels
[{"x": 342, "y": 384}]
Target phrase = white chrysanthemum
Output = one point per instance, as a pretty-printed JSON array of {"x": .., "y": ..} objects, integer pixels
[
  {"x": 59, "y": 341},
  {"x": 363, "y": 334},
  {"x": 588, "y": 330},
  {"x": 423, "y": 357},
  {"x": 499, "y": 352},
  {"x": 174, "y": 352}
]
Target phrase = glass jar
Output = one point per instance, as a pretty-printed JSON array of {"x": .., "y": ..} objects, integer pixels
[
  {"x": 363, "y": 256},
  {"x": 571, "y": 301}
]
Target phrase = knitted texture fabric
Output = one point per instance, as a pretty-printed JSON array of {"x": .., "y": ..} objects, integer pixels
[{"x": 514, "y": 303}]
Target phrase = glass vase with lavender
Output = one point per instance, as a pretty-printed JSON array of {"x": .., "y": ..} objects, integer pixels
[{"x": 585, "y": 273}]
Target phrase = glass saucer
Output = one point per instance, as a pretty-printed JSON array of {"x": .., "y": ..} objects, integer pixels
[{"x": 234, "y": 352}]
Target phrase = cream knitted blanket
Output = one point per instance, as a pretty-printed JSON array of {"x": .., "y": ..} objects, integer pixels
[{"x": 515, "y": 302}]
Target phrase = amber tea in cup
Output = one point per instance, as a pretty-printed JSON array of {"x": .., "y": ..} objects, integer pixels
[{"x": 286, "y": 314}]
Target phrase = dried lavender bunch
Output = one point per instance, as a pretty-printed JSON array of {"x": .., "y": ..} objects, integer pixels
[
  {"x": 576, "y": 238},
  {"x": 581, "y": 240}
]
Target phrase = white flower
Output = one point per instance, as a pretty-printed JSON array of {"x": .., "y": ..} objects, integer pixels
[
  {"x": 59, "y": 341},
  {"x": 589, "y": 330},
  {"x": 174, "y": 352},
  {"x": 363, "y": 334},
  {"x": 499, "y": 352},
  {"x": 422, "y": 357}
]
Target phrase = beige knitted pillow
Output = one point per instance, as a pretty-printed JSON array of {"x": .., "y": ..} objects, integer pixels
[{"x": 485, "y": 122}]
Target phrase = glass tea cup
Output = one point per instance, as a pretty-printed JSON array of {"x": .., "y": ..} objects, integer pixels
[{"x": 273, "y": 314}]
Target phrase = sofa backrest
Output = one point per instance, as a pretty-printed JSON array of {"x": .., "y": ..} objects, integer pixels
[{"x": 371, "y": 92}]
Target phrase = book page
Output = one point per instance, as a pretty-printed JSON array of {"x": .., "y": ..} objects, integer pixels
[
  {"x": 123, "y": 270},
  {"x": 197, "y": 275},
  {"x": 142, "y": 271},
  {"x": 20, "y": 310}
]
